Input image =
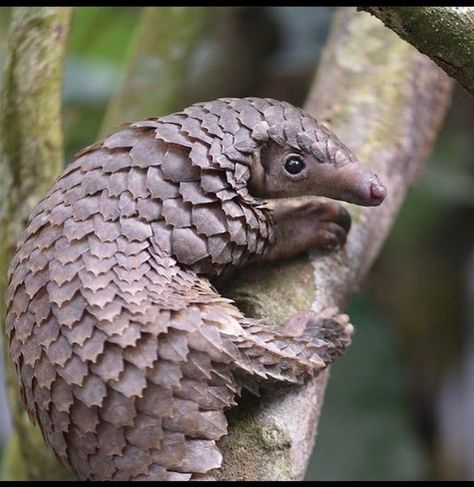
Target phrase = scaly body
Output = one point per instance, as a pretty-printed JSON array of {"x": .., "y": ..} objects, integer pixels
[{"x": 126, "y": 355}]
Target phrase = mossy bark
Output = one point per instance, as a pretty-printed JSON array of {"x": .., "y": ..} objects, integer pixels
[
  {"x": 31, "y": 156},
  {"x": 385, "y": 101},
  {"x": 445, "y": 34}
]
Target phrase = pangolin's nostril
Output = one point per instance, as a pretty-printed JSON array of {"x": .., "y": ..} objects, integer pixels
[{"x": 377, "y": 193}]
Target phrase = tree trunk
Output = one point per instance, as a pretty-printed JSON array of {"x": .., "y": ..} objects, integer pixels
[
  {"x": 445, "y": 34},
  {"x": 31, "y": 156},
  {"x": 386, "y": 102}
]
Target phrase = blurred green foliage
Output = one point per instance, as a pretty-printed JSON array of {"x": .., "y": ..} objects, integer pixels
[
  {"x": 103, "y": 34},
  {"x": 99, "y": 45},
  {"x": 364, "y": 431}
]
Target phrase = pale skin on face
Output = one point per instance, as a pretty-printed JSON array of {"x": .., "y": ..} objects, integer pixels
[{"x": 280, "y": 171}]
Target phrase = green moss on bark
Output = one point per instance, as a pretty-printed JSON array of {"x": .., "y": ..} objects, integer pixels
[
  {"x": 253, "y": 438},
  {"x": 445, "y": 34},
  {"x": 31, "y": 156}
]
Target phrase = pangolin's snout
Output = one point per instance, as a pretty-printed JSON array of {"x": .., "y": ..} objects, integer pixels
[{"x": 359, "y": 185}]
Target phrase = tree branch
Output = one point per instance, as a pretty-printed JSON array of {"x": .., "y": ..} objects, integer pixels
[
  {"x": 386, "y": 102},
  {"x": 445, "y": 34},
  {"x": 31, "y": 156},
  {"x": 180, "y": 55}
]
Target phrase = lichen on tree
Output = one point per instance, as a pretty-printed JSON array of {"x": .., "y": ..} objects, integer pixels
[
  {"x": 31, "y": 156},
  {"x": 445, "y": 34}
]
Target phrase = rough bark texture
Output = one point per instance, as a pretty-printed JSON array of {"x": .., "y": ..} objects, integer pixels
[
  {"x": 445, "y": 34},
  {"x": 385, "y": 101},
  {"x": 30, "y": 158}
]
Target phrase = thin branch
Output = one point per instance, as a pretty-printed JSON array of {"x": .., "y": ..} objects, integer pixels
[
  {"x": 386, "y": 102},
  {"x": 445, "y": 34},
  {"x": 31, "y": 156}
]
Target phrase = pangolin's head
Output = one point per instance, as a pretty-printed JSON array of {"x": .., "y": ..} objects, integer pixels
[{"x": 299, "y": 156}]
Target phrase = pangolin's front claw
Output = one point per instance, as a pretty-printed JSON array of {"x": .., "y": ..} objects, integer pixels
[{"x": 331, "y": 223}]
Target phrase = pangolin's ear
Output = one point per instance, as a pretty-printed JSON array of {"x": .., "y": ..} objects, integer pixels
[{"x": 256, "y": 182}]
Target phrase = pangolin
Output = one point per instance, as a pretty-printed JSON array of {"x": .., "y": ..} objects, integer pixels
[{"x": 126, "y": 355}]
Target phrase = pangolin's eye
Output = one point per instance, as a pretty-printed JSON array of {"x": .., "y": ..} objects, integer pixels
[{"x": 294, "y": 165}]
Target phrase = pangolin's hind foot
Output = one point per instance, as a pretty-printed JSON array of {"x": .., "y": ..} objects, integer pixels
[{"x": 329, "y": 330}]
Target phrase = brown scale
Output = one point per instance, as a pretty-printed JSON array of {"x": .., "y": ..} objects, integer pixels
[{"x": 126, "y": 355}]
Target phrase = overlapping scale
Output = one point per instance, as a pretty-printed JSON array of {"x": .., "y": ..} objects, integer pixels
[{"x": 127, "y": 357}]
